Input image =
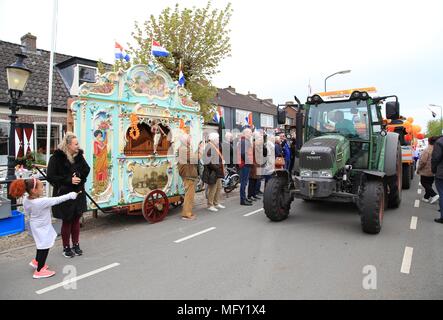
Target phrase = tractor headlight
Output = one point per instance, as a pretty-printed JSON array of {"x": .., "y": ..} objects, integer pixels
[
  {"x": 306, "y": 173},
  {"x": 326, "y": 174}
]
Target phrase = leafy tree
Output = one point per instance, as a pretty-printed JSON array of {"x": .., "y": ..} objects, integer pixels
[
  {"x": 198, "y": 37},
  {"x": 433, "y": 128}
]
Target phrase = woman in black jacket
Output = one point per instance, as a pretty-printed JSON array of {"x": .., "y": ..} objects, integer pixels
[{"x": 67, "y": 171}]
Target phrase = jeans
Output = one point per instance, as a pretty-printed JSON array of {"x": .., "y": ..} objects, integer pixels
[
  {"x": 244, "y": 177},
  {"x": 258, "y": 186},
  {"x": 252, "y": 188},
  {"x": 71, "y": 229},
  {"x": 439, "y": 186}
]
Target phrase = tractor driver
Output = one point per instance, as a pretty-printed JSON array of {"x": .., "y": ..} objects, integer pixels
[{"x": 342, "y": 125}]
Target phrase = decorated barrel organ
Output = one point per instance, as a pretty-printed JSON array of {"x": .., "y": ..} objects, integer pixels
[{"x": 128, "y": 123}]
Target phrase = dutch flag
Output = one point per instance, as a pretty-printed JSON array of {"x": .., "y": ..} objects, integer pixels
[
  {"x": 181, "y": 76},
  {"x": 120, "y": 53},
  {"x": 157, "y": 50}
]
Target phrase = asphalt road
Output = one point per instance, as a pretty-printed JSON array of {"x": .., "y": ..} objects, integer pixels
[{"x": 319, "y": 252}]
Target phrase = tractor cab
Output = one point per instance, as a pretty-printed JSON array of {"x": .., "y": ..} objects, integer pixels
[{"x": 348, "y": 117}]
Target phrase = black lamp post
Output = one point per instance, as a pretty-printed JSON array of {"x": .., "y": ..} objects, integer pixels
[{"x": 18, "y": 76}]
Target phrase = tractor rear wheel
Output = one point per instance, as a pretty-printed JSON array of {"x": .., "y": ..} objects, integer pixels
[
  {"x": 277, "y": 199},
  {"x": 372, "y": 206},
  {"x": 394, "y": 184},
  {"x": 406, "y": 176}
]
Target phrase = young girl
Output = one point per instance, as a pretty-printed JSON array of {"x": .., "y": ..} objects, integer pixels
[{"x": 39, "y": 210}]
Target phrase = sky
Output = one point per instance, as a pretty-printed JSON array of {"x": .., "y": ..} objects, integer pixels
[{"x": 278, "y": 47}]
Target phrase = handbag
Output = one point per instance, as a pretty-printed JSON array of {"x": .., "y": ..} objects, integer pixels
[{"x": 279, "y": 162}]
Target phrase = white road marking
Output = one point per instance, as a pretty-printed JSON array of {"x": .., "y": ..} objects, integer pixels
[
  {"x": 194, "y": 235},
  {"x": 414, "y": 223},
  {"x": 417, "y": 203},
  {"x": 64, "y": 283},
  {"x": 253, "y": 212},
  {"x": 407, "y": 260},
  {"x": 419, "y": 191}
]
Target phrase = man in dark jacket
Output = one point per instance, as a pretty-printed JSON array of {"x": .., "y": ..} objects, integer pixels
[{"x": 437, "y": 169}]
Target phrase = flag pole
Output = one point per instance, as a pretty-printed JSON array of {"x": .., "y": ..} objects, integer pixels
[{"x": 51, "y": 73}]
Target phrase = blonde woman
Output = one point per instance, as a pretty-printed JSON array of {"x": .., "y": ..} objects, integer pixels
[{"x": 67, "y": 172}]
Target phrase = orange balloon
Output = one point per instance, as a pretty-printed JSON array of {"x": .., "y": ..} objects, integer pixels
[
  {"x": 410, "y": 119},
  {"x": 408, "y": 137},
  {"x": 420, "y": 136}
]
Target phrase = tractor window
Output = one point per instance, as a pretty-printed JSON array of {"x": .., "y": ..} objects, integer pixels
[
  {"x": 346, "y": 118},
  {"x": 376, "y": 126}
]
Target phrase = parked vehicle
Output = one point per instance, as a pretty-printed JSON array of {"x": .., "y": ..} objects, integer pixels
[
  {"x": 346, "y": 155},
  {"x": 231, "y": 179}
]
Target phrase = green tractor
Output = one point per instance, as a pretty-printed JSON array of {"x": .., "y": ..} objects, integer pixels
[{"x": 344, "y": 154}]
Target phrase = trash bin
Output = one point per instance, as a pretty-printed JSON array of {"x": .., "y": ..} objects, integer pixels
[{"x": 12, "y": 225}]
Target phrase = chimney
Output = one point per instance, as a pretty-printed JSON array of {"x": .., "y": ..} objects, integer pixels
[
  {"x": 231, "y": 89},
  {"x": 29, "y": 42}
]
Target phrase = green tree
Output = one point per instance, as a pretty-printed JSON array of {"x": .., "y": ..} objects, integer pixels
[
  {"x": 198, "y": 37},
  {"x": 433, "y": 128}
]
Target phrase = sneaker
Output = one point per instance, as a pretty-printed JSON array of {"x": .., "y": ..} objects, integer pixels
[
  {"x": 425, "y": 200},
  {"x": 245, "y": 203},
  {"x": 256, "y": 197},
  {"x": 251, "y": 199},
  {"x": 213, "y": 209},
  {"x": 77, "y": 250},
  {"x": 440, "y": 220},
  {"x": 34, "y": 264},
  {"x": 67, "y": 252},
  {"x": 221, "y": 206},
  {"x": 434, "y": 199},
  {"x": 43, "y": 273},
  {"x": 189, "y": 218}
]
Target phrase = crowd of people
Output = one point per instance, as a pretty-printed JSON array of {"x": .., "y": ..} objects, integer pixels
[{"x": 253, "y": 154}]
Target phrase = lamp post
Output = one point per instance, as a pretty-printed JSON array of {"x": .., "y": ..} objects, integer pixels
[
  {"x": 441, "y": 116},
  {"x": 18, "y": 76},
  {"x": 339, "y": 72}
]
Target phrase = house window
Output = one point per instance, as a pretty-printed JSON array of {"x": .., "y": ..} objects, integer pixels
[
  {"x": 266, "y": 121},
  {"x": 4, "y": 134},
  {"x": 40, "y": 138},
  {"x": 86, "y": 74},
  {"x": 240, "y": 116},
  {"x": 290, "y": 121}
]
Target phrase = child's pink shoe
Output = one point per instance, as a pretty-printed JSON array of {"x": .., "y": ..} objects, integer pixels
[
  {"x": 34, "y": 264},
  {"x": 43, "y": 273}
]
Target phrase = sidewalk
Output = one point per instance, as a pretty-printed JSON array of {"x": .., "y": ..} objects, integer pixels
[{"x": 103, "y": 222}]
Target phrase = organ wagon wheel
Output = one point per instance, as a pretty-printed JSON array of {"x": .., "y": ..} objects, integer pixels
[{"x": 155, "y": 206}]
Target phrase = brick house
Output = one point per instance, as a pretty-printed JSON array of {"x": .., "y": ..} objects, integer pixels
[
  {"x": 236, "y": 107},
  {"x": 69, "y": 73}
]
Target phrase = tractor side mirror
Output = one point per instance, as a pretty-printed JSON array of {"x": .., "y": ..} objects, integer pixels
[
  {"x": 281, "y": 116},
  {"x": 392, "y": 110}
]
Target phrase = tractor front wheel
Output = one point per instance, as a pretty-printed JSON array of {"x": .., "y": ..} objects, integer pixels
[
  {"x": 277, "y": 199},
  {"x": 372, "y": 206}
]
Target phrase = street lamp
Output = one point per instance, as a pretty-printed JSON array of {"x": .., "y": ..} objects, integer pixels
[
  {"x": 441, "y": 116},
  {"x": 339, "y": 72},
  {"x": 18, "y": 76}
]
